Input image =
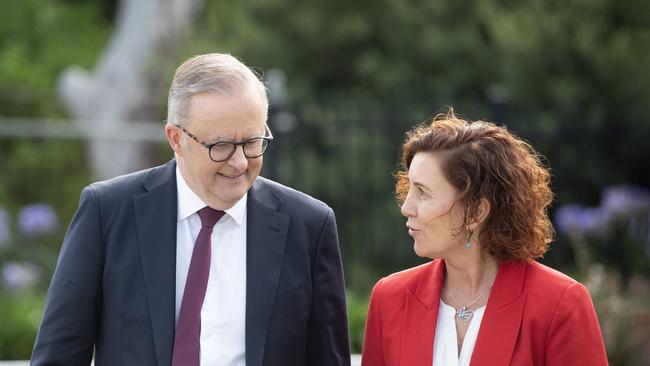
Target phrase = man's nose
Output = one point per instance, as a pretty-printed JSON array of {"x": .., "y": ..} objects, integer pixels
[{"x": 238, "y": 159}]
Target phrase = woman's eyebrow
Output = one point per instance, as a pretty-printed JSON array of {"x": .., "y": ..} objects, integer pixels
[{"x": 421, "y": 186}]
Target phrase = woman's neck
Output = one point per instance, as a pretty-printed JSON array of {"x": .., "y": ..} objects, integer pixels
[{"x": 469, "y": 277}]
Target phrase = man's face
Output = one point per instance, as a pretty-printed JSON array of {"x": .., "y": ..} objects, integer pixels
[{"x": 214, "y": 117}]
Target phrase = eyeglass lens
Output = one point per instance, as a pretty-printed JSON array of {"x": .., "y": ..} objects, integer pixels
[{"x": 253, "y": 148}]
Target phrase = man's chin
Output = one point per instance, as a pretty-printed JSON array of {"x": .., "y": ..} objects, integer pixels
[{"x": 230, "y": 195}]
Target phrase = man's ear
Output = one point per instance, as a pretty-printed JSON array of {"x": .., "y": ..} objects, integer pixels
[{"x": 173, "y": 134}]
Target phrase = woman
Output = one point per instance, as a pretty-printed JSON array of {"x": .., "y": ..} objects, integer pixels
[{"x": 476, "y": 199}]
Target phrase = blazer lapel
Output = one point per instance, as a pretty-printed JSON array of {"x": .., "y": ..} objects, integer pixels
[
  {"x": 266, "y": 239},
  {"x": 155, "y": 218},
  {"x": 497, "y": 336},
  {"x": 421, "y": 317}
]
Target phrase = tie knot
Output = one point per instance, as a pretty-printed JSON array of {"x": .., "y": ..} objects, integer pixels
[{"x": 209, "y": 216}]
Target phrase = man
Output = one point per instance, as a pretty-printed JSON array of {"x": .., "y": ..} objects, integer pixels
[{"x": 200, "y": 261}]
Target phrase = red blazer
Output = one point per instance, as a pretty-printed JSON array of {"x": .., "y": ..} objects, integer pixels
[{"x": 535, "y": 315}]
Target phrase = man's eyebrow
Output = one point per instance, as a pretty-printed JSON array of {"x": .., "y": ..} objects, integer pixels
[{"x": 217, "y": 140}]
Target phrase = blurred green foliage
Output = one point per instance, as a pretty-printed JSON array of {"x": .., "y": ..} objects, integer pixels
[
  {"x": 20, "y": 316},
  {"x": 357, "y": 308},
  {"x": 569, "y": 76},
  {"x": 38, "y": 40},
  {"x": 545, "y": 55}
]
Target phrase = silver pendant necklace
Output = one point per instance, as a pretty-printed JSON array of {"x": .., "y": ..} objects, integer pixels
[{"x": 464, "y": 313}]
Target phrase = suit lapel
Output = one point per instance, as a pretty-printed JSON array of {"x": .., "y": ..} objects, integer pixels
[
  {"x": 155, "y": 218},
  {"x": 266, "y": 239},
  {"x": 497, "y": 336},
  {"x": 421, "y": 317}
]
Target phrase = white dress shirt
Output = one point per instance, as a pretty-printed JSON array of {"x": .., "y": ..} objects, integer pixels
[
  {"x": 445, "y": 348},
  {"x": 223, "y": 316}
]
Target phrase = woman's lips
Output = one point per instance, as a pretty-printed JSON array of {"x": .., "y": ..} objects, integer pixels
[{"x": 412, "y": 231}]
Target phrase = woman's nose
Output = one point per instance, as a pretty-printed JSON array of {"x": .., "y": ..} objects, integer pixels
[{"x": 407, "y": 208}]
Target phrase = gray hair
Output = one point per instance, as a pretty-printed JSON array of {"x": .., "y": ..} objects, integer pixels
[{"x": 212, "y": 72}]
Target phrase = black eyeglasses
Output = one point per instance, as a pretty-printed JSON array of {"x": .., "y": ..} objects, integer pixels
[{"x": 223, "y": 150}]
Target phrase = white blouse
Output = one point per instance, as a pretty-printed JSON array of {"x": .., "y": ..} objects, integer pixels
[{"x": 445, "y": 346}]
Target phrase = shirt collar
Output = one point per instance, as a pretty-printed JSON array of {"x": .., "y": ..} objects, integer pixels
[{"x": 189, "y": 203}]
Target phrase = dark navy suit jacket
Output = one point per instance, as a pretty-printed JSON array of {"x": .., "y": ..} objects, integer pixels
[{"x": 113, "y": 290}]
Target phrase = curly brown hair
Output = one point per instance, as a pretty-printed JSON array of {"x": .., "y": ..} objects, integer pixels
[{"x": 485, "y": 161}]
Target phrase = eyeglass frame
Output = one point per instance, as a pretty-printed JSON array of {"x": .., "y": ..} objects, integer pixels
[{"x": 268, "y": 138}]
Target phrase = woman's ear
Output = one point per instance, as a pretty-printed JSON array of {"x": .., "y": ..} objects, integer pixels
[{"x": 482, "y": 213}]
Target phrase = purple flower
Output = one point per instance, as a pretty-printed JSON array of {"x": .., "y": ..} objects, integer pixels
[
  {"x": 624, "y": 199},
  {"x": 38, "y": 218},
  {"x": 18, "y": 276},
  {"x": 4, "y": 228},
  {"x": 576, "y": 218},
  {"x": 631, "y": 203},
  {"x": 647, "y": 236}
]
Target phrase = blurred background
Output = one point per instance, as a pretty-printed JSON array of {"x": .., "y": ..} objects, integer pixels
[{"x": 83, "y": 86}]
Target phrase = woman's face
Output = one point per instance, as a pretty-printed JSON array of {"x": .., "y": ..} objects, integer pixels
[{"x": 433, "y": 219}]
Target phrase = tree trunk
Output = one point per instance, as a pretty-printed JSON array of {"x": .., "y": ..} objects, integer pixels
[{"x": 122, "y": 89}]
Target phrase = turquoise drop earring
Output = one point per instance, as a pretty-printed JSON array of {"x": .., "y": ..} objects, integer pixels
[{"x": 468, "y": 244}]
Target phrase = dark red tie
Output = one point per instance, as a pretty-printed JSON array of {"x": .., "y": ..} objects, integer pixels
[{"x": 188, "y": 328}]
